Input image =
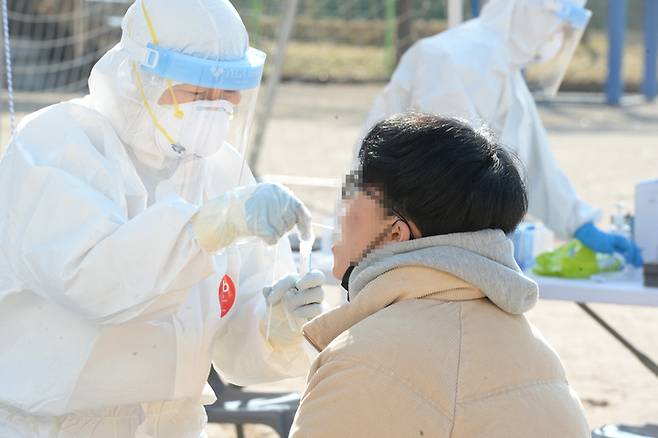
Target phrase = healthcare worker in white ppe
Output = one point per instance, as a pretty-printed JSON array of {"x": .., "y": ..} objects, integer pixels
[
  {"x": 474, "y": 71},
  {"x": 135, "y": 245}
]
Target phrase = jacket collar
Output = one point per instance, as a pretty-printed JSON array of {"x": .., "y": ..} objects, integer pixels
[{"x": 400, "y": 284}]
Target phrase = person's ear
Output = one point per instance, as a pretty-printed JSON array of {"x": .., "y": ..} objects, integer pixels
[{"x": 400, "y": 232}]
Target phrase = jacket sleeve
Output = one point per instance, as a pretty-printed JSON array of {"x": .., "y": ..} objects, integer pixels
[
  {"x": 421, "y": 82},
  {"x": 552, "y": 197},
  {"x": 68, "y": 235},
  {"x": 394, "y": 98},
  {"x": 240, "y": 352},
  {"x": 351, "y": 398}
]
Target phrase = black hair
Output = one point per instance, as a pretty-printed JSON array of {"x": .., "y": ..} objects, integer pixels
[{"x": 443, "y": 175}]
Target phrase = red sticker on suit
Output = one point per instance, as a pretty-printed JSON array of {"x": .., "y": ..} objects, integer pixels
[{"x": 226, "y": 295}]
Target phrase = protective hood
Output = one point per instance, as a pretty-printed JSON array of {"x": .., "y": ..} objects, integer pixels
[
  {"x": 484, "y": 259},
  {"x": 524, "y": 26},
  {"x": 210, "y": 29}
]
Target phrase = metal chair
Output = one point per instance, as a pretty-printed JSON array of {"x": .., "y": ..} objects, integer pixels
[{"x": 238, "y": 407}]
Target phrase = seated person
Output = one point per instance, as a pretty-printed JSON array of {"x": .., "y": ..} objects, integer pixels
[{"x": 433, "y": 341}]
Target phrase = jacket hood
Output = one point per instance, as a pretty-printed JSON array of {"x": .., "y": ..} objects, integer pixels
[{"x": 484, "y": 259}]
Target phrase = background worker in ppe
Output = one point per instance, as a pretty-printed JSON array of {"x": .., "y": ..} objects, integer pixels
[
  {"x": 474, "y": 71},
  {"x": 134, "y": 242}
]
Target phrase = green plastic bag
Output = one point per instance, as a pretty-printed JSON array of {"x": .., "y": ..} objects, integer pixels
[{"x": 575, "y": 260}]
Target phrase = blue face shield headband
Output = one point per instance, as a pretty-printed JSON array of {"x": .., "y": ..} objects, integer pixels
[
  {"x": 241, "y": 74},
  {"x": 576, "y": 16}
]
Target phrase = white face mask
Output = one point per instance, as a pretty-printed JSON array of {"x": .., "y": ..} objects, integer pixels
[
  {"x": 200, "y": 133},
  {"x": 550, "y": 49}
]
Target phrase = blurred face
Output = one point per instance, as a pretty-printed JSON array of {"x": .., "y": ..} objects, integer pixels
[
  {"x": 185, "y": 93},
  {"x": 366, "y": 225}
]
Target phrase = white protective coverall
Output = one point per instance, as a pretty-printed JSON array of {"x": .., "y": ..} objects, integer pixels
[
  {"x": 474, "y": 72},
  {"x": 109, "y": 308}
]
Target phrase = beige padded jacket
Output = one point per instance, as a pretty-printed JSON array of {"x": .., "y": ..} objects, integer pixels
[{"x": 419, "y": 352}]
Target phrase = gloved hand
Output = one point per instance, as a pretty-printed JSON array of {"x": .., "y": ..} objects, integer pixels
[
  {"x": 262, "y": 210},
  {"x": 294, "y": 301},
  {"x": 607, "y": 243}
]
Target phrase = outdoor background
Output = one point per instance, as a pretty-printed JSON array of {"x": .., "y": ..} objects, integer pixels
[
  {"x": 341, "y": 55},
  {"x": 56, "y": 42}
]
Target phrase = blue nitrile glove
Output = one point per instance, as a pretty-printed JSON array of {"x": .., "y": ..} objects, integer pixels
[
  {"x": 294, "y": 301},
  {"x": 607, "y": 243},
  {"x": 262, "y": 210}
]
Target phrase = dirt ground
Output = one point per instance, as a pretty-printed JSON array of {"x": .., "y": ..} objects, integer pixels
[{"x": 603, "y": 150}]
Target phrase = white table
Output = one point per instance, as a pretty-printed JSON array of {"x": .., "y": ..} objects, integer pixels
[{"x": 626, "y": 290}]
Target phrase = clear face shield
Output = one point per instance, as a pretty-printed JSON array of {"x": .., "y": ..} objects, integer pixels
[
  {"x": 196, "y": 105},
  {"x": 553, "y": 57},
  {"x": 191, "y": 105}
]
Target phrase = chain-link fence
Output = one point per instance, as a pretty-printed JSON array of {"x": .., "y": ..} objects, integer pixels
[
  {"x": 56, "y": 42},
  {"x": 346, "y": 40}
]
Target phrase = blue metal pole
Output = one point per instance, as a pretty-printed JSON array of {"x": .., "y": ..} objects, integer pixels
[
  {"x": 616, "y": 25},
  {"x": 650, "y": 86},
  {"x": 475, "y": 7}
]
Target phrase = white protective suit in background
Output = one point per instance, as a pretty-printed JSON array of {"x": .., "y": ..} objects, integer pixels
[
  {"x": 109, "y": 308},
  {"x": 473, "y": 72}
]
